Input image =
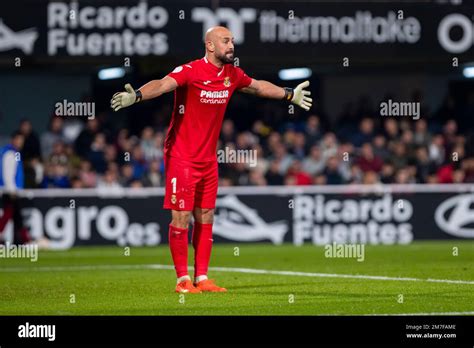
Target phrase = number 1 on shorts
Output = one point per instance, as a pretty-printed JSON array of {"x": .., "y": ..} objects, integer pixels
[{"x": 173, "y": 182}]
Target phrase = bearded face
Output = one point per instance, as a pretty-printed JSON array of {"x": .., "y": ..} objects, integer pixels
[{"x": 227, "y": 57}]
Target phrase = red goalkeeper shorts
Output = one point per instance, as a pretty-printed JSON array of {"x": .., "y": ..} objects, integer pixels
[{"x": 190, "y": 184}]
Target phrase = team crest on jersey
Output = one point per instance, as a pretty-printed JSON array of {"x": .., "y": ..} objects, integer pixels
[
  {"x": 173, "y": 199},
  {"x": 227, "y": 81}
]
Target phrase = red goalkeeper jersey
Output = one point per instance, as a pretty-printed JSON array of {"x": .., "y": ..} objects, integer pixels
[{"x": 199, "y": 105}]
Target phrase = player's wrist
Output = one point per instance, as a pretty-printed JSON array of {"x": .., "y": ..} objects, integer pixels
[
  {"x": 289, "y": 93},
  {"x": 138, "y": 96}
]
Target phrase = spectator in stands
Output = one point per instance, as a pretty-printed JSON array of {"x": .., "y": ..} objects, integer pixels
[
  {"x": 108, "y": 181},
  {"x": 402, "y": 176},
  {"x": 258, "y": 128},
  {"x": 152, "y": 177},
  {"x": 96, "y": 153},
  {"x": 367, "y": 161},
  {"x": 56, "y": 176},
  {"x": 298, "y": 148},
  {"x": 136, "y": 184},
  {"x": 31, "y": 148},
  {"x": 138, "y": 162},
  {"x": 365, "y": 133},
  {"x": 123, "y": 145},
  {"x": 34, "y": 173},
  {"x": 391, "y": 129},
  {"x": 273, "y": 175},
  {"x": 313, "y": 130},
  {"x": 52, "y": 136},
  {"x": 436, "y": 149},
  {"x": 87, "y": 176},
  {"x": 399, "y": 155},
  {"x": 297, "y": 175},
  {"x": 424, "y": 167},
  {"x": 228, "y": 131},
  {"x": 408, "y": 140},
  {"x": 458, "y": 176},
  {"x": 468, "y": 167},
  {"x": 379, "y": 146},
  {"x": 387, "y": 174},
  {"x": 421, "y": 136},
  {"x": 262, "y": 163},
  {"x": 371, "y": 178},
  {"x": 241, "y": 173},
  {"x": 356, "y": 175},
  {"x": 331, "y": 172},
  {"x": 273, "y": 140},
  {"x": 147, "y": 143},
  {"x": 284, "y": 160},
  {"x": 77, "y": 183},
  {"x": 314, "y": 163},
  {"x": 449, "y": 135},
  {"x": 127, "y": 175},
  {"x": 328, "y": 145},
  {"x": 74, "y": 161},
  {"x": 85, "y": 139},
  {"x": 110, "y": 153},
  {"x": 257, "y": 178}
]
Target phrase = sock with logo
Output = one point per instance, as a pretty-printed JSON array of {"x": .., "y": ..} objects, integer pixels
[
  {"x": 202, "y": 243},
  {"x": 178, "y": 240}
]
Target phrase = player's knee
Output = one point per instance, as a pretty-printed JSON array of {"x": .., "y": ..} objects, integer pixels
[
  {"x": 180, "y": 218},
  {"x": 205, "y": 216}
]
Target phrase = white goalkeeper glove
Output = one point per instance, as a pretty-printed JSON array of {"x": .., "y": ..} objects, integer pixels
[
  {"x": 121, "y": 100},
  {"x": 299, "y": 96}
]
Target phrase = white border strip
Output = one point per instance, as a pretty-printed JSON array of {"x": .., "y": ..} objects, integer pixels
[
  {"x": 256, "y": 190},
  {"x": 412, "y": 314},
  {"x": 233, "y": 270}
]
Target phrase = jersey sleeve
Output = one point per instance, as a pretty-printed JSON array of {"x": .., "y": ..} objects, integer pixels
[
  {"x": 182, "y": 74},
  {"x": 243, "y": 79}
]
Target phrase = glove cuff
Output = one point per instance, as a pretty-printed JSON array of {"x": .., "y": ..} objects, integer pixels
[
  {"x": 138, "y": 96},
  {"x": 289, "y": 93}
]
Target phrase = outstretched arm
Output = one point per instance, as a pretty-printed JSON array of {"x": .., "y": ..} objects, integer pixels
[
  {"x": 265, "y": 89},
  {"x": 150, "y": 90}
]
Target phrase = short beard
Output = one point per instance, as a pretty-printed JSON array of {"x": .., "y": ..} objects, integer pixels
[{"x": 224, "y": 60}]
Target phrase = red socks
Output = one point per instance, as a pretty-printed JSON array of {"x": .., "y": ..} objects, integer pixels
[
  {"x": 178, "y": 239},
  {"x": 202, "y": 243}
]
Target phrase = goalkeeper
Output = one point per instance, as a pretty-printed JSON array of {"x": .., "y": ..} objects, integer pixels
[{"x": 202, "y": 90}]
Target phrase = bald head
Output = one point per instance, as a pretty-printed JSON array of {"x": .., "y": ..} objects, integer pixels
[
  {"x": 219, "y": 43},
  {"x": 215, "y": 33}
]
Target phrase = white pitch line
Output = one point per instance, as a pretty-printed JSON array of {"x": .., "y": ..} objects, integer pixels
[{"x": 233, "y": 270}]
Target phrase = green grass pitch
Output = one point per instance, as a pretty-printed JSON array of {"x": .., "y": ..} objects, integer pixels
[{"x": 103, "y": 281}]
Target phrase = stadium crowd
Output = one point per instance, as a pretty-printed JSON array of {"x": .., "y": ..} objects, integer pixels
[{"x": 362, "y": 147}]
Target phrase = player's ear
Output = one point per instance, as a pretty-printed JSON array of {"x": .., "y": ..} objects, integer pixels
[{"x": 210, "y": 46}]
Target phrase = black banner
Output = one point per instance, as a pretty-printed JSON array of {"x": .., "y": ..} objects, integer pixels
[
  {"x": 316, "y": 32},
  {"x": 264, "y": 330},
  {"x": 283, "y": 214}
]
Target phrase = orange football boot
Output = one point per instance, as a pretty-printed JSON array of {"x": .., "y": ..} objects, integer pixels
[
  {"x": 208, "y": 285},
  {"x": 187, "y": 287}
]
